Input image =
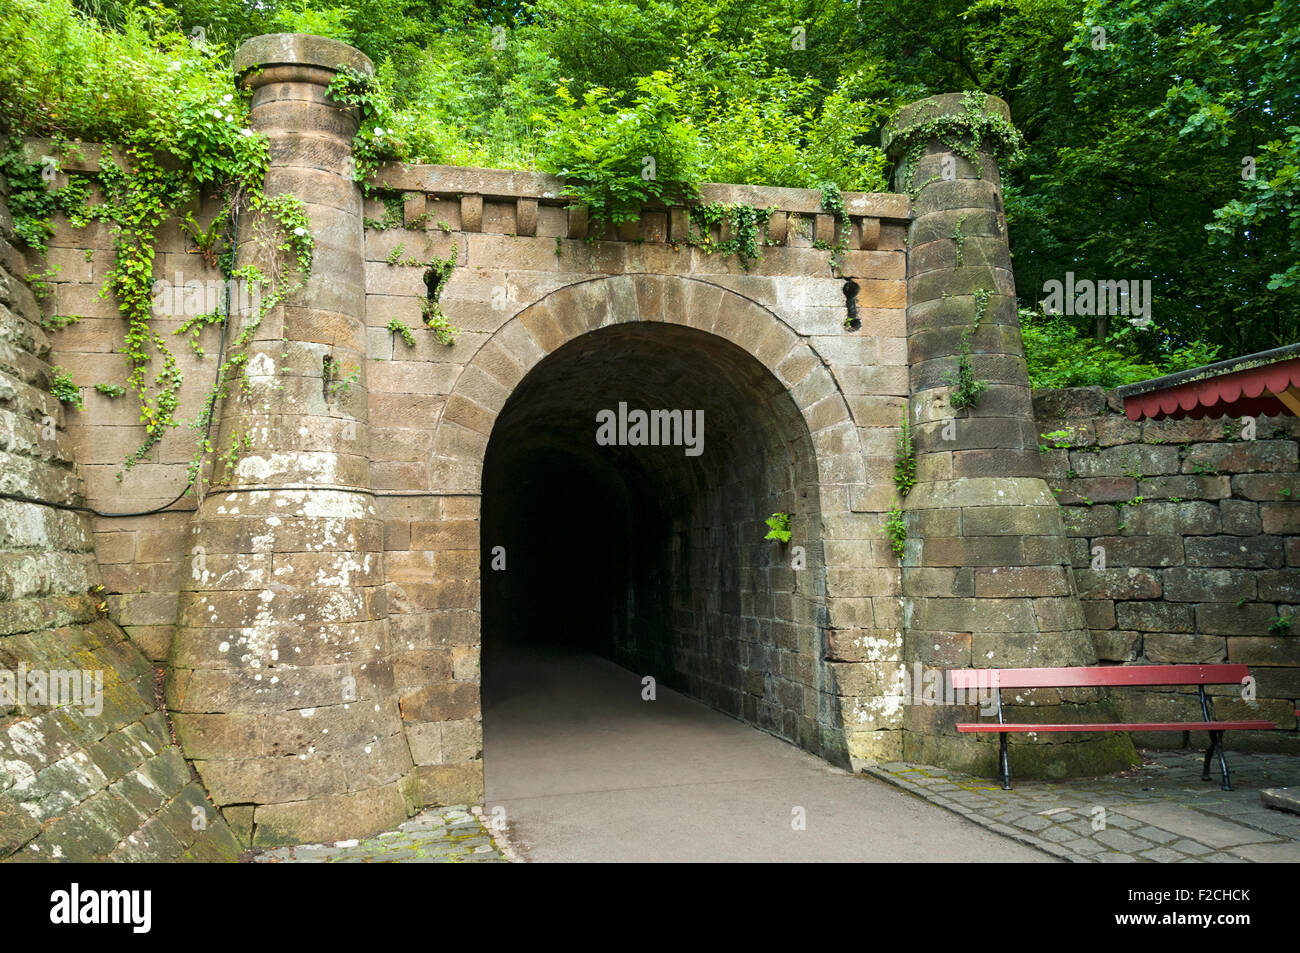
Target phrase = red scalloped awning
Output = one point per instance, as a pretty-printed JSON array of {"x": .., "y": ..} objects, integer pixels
[{"x": 1273, "y": 389}]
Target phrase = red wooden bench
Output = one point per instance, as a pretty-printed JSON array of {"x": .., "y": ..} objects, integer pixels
[{"x": 1106, "y": 676}]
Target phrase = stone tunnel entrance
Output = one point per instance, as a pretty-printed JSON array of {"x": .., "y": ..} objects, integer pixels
[{"x": 652, "y": 556}]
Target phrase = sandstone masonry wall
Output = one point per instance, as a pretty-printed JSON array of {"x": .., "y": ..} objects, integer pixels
[
  {"x": 74, "y": 785},
  {"x": 1200, "y": 533}
]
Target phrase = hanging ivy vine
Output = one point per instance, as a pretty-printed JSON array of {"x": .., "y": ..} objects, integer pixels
[
  {"x": 833, "y": 202},
  {"x": 966, "y": 134},
  {"x": 143, "y": 182},
  {"x": 748, "y": 230}
]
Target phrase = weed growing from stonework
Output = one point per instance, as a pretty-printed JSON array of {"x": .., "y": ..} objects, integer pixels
[
  {"x": 435, "y": 279},
  {"x": 64, "y": 390},
  {"x": 393, "y": 215},
  {"x": 338, "y": 384},
  {"x": 111, "y": 390},
  {"x": 1281, "y": 624},
  {"x": 778, "y": 527},
  {"x": 905, "y": 460},
  {"x": 896, "y": 530},
  {"x": 56, "y": 321},
  {"x": 748, "y": 230},
  {"x": 437, "y": 271},
  {"x": 966, "y": 387},
  {"x": 833, "y": 202},
  {"x": 399, "y": 328},
  {"x": 1057, "y": 440}
]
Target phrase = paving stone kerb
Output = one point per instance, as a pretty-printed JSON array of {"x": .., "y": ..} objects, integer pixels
[
  {"x": 987, "y": 580},
  {"x": 319, "y": 613}
]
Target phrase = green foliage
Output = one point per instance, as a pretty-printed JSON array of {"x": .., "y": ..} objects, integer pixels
[
  {"x": 778, "y": 527},
  {"x": 33, "y": 202},
  {"x": 111, "y": 390},
  {"x": 896, "y": 530},
  {"x": 965, "y": 134},
  {"x": 1059, "y": 355},
  {"x": 337, "y": 382},
  {"x": 393, "y": 214},
  {"x": 960, "y": 240},
  {"x": 54, "y": 322},
  {"x": 68, "y": 77},
  {"x": 1281, "y": 623},
  {"x": 1056, "y": 440},
  {"x": 905, "y": 459},
  {"x": 1133, "y": 153},
  {"x": 966, "y": 387},
  {"x": 435, "y": 279},
  {"x": 833, "y": 202},
  {"x": 619, "y": 154},
  {"x": 302, "y": 17},
  {"x": 748, "y": 230},
  {"x": 64, "y": 390},
  {"x": 400, "y": 328}
]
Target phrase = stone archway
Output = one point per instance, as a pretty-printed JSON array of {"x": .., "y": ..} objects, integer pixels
[{"x": 743, "y": 634}]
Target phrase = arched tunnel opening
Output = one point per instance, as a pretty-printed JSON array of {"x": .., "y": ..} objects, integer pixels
[{"x": 599, "y": 544}]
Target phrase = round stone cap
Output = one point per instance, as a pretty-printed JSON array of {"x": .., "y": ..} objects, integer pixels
[
  {"x": 895, "y": 138},
  {"x": 299, "y": 49}
]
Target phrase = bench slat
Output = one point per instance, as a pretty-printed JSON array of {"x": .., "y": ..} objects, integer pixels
[
  {"x": 1095, "y": 676},
  {"x": 1148, "y": 726}
]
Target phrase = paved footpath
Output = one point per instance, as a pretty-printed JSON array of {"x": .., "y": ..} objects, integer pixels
[
  {"x": 585, "y": 769},
  {"x": 1160, "y": 811},
  {"x": 581, "y": 768}
]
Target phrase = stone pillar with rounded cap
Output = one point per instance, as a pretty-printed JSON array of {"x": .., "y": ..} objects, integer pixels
[
  {"x": 987, "y": 577},
  {"x": 282, "y": 687}
]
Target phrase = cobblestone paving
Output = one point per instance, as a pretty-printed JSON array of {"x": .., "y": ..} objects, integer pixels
[
  {"x": 1160, "y": 811},
  {"x": 446, "y": 835}
]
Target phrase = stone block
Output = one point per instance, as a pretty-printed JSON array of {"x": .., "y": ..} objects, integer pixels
[
  {"x": 1155, "y": 617},
  {"x": 1209, "y": 585},
  {"x": 1257, "y": 456},
  {"x": 1182, "y": 647}
]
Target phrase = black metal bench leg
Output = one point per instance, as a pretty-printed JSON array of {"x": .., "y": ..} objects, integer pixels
[
  {"x": 1223, "y": 762},
  {"x": 1209, "y": 753},
  {"x": 1005, "y": 772}
]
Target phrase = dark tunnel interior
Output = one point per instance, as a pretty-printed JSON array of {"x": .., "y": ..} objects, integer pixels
[{"x": 647, "y": 555}]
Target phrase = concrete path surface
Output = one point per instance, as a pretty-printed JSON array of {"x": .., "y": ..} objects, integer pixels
[{"x": 587, "y": 771}]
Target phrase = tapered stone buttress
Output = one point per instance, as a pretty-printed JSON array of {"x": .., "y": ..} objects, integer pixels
[
  {"x": 987, "y": 579},
  {"x": 281, "y": 685}
]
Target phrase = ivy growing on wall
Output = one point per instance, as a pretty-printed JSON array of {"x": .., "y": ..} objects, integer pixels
[
  {"x": 966, "y": 134},
  {"x": 966, "y": 387},
  {"x": 748, "y": 230},
  {"x": 199, "y": 146}
]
